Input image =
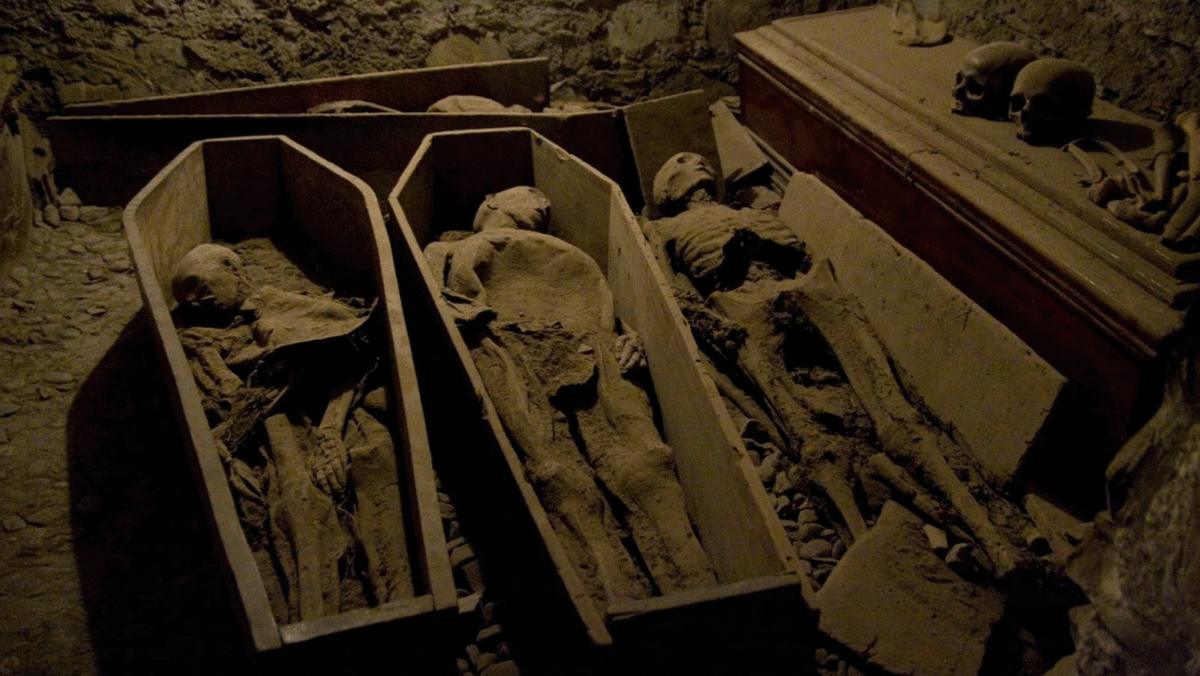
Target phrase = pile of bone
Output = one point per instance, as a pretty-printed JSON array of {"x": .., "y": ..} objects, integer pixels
[{"x": 1050, "y": 100}]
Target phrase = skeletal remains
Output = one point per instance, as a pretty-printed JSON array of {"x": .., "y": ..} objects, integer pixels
[
  {"x": 798, "y": 363},
  {"x": 984, "y": 83},
  {"x": 1154, "y": 202},
  {"x": 564, "y": 375},
  {"x": 283, "y": 378},
  {"x": 1050, "y": 100}
]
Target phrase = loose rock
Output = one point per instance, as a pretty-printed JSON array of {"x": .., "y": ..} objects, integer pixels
[
  {"x": 69, "y": 213},
  {"x": 58, "y": 377},
  {"x": 8, "y": 408},
  {"x": 937, "y": 539},
  {"x": 51, "y": 217},
  {"x": 12, "y": 524},
  {"x": 68, "y": 198},
  {"x": 92, "y": 214},
  {"x": 815, "y": 549}
]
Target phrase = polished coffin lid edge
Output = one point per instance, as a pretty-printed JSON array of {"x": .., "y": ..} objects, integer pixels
[
  {"x": 993, "y": 141},
  {"x": 1088, "y": 284}
]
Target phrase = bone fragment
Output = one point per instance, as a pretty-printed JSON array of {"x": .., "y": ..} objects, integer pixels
[
  {"x": 1108, "y": 189},
  {"x": 1136, "y": 183},
  {"x": 208, "y": 366},
  {"x": 307, "y": 519},
  {"x": 902, "y": 431},
  {"x": 1167, "y": 138},
  {"x": 1093, "y": 172},
  {"x": 1127, "y": 211},
  {"x": 833, "y": 482},
  {"x": 1179, "y": 231},
  {"x": 379, "y": 519}
]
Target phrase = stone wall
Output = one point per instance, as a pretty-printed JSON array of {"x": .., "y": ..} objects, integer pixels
[
  {"x": 1145, "y": 53},
  {"x": 613, "y": 50}
]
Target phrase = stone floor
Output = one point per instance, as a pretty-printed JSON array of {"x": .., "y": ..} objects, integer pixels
[{"x": 105, "y": 563}]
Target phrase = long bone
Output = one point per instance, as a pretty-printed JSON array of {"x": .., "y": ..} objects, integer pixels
[
  {"x": 1094, "y": 174},
  {"x": 1181, "y": 228},
  {"x": 308, "y": 520},
  {"x": 901, "y": 429},
  {"x": 1167, "y": 138}
]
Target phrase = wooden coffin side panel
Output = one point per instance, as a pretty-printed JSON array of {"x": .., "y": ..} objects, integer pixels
[
  {"x": 162, "y": 223},
  {"x": 737, "y": 525},
  {"x": 972, "y": 372},
  {"x": 107, "y": 159},
  {"x": 519, "y": 81},
  {"x": 321, "y": 194},
  {"x": 472, "y": 449}
]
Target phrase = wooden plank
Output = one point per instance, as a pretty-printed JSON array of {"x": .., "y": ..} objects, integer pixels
[
  {"x": 163, "y": 223},
  {"x": 727, "y": 502},
  {"x": 325, "y": 202},
  {"x": 759, "y": 626},
  {"x": 970, "y": 371},
  {"x": 334, "y": 212},
  {"x": 725, "y": 497},
  {"x": 919, "y": 81},
  {"x": 523, "y": 82},
  {"x": 740, "y": 156},
  {"x": 663, "y": 127},
  {"x": 108, "y": 159}
]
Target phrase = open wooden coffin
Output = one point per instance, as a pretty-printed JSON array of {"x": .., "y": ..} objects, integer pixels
[
  {"x": 758, "y": 611},
  {"x": 107, "y": 151},
  {"x": 232, "y": 189}
]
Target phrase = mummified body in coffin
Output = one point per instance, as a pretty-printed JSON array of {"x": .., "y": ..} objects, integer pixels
[
  {"x": 796, "y": 360},
  {"x": 565, "y": 377}
]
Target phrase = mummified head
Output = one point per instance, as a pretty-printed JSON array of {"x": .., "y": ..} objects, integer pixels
[
  {"x": 682, "y": 179},
  {"x": 209, "y": 278},
  {"x": 522, "y": 207}
]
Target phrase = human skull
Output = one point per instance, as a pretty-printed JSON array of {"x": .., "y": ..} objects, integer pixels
[
  {"x": 985, "y": 80},
  {"x": 1050, "y": 99},
  {"x": 209, "y": 278},
  {"x": 678, "y": 181},
  {"x": 522, "y": 207}
]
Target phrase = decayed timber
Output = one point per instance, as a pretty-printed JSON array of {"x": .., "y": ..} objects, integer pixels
[
  {"x": 1085, "y": 293},
  {"x": 970, "y": 371},
  {"x": 255, "y": 187},
  {"x": 755, "y": 565},
  {"x": 108, "y": 158},
  {"x": 523, "y": 82}
]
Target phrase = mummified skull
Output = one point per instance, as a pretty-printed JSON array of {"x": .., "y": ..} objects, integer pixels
[
  {"x": 209, "y": 278},
  {"x": 680, "y": 179},
  {"x": 1050, "y": 99},
  {"x": 985, "y": 80},
  {"x": 522, "y": 207}
]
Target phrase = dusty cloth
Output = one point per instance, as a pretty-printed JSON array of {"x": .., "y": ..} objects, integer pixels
[{"x": 285, "y": 318}]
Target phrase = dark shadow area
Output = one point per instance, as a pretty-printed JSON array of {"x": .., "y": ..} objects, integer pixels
[
  {"x": 1127, "y": 136},
  {"x": 152, "y": 583}
]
